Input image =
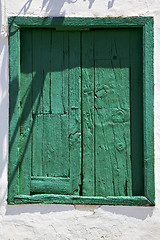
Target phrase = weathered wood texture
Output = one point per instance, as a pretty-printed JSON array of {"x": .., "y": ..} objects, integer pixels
[
  {"x": 148, "y": 112},
  {"x": 55, "y": 198},
  {"x": 26, "y": 124},
  {"x": 106, "y": 170},
  {"x": 77, "y": 22},
  {"x": 106, "y": 64},
  {"x": 50, "y": 106},
  {"x": 112, "y": 113},
  {"x": 78, "y": 119},
  {"x": 14, "y": 99},
  {"x": 88, "y": 123}
]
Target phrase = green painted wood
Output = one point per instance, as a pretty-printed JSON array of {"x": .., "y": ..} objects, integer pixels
[
  {"x": 59, "y": 104},
  {"x": 51, "y": 163},
  {"x": 55, "y": 163},
  {"x": 148, "y": 114},
  {"x": 55, "y": 158},
  {"x": 75, "y": 110},
  {"x": 37, "y": 146},
  {"x": 122, "y": 49},
  {"x": 51, "y": 185},
  {"x": 112, "y": 114},
  {"x": 38, "y": 70},
  {"x": 71, "y": 118},
  {"x": 136, "y": 111},
  {"x": 59, "y": 83},
  {"x": 50, "y": 198},
  {"x": 87, "y": 22},
  {"x": 106, "y": 170},
  {"x": 14, "y": 131},
  {"x": 41, "y": 95},
  {"x": 26, "y": 121},
  {"x": 88, "y": 167},
  {"x": 46, "y": 67},
  {"x": 52, "y": 146}
]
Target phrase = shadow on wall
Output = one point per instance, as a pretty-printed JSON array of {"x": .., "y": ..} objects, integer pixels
[
  {"x": 110, "y": 3},
  {"x": 3, "y": 109},
  {"x": 26, "y": 6},
  {"x": 0, "y": 15},
  {"x": 132, "y": 212},
  {"x": 53, "y": 7}
]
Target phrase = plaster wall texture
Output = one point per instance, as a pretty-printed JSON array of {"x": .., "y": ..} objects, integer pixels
[{"x": 68, "y": 221}]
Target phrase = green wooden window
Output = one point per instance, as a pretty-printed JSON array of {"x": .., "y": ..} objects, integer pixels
[{"x": 81, "y": 110}]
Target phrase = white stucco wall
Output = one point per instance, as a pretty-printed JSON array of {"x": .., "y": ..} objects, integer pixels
[{"x": 68, "y": 221}]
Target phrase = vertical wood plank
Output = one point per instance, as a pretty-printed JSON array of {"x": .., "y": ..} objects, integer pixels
[
  {"x": 75, "y": 110},
  {"x": 104, "y": 177},
  {"x": 112, "y": 115},
  {"x": 59, "y": 94},
  {"x": 65, "y": 114},
  {"x": 25, "y": 145},
  {"x": 88, "y": 184},
  {"x": 41, "y": 70},
  {"x": 41, "y": 96},
  {"x": 41, "y": 93},
  {"x": 37, "y": 152},
  {"x": 104, "y": 136},
  {"x": 46, "y": 42},
  {"x": 37, "y": 72},
  {"x": 56, "y": 140},
  {"x": 121, "y": 60},
  {"x": 55, "y": 152},
  {"x": 14, "y": 130},
  {"x": 51, "y": 145}
]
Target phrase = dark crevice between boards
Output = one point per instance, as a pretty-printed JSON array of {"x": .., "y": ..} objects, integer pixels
[
  {"x": 130, "y": 111},
  {"x": 94, "y": 159},
  {"x": 50, "y": 90},
  {"x": 81, "y": 184},
  {"x": 33, "y": 117},
  {"x": 81, "y": 174},
  {"x": 137, "y": 186}
]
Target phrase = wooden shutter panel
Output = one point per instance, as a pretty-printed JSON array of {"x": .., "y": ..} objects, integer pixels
[
  {"x": 55, "y": 65},
  {"x": 111, "y": 67},
  {"x": 52, "y": 69},
  {"x": 26, "y": 122},
  {"x": 88, "y": 120},
  {"x": 112, "y": 114},
  {"x": 81, "y": 110}
]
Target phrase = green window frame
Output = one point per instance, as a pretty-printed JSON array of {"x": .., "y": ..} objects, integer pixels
[{"x": 19, "y": 189}]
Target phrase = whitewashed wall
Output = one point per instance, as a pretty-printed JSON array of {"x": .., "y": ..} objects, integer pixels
[{"x": 60, "y": 222}]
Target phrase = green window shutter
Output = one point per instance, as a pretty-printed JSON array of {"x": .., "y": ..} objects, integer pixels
[
  {"x": 50, "y": 134},
  {"x": 78, "y": 97},
  {"x": 111, "y": 63},
  {"x": 112, "y": 114}
]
